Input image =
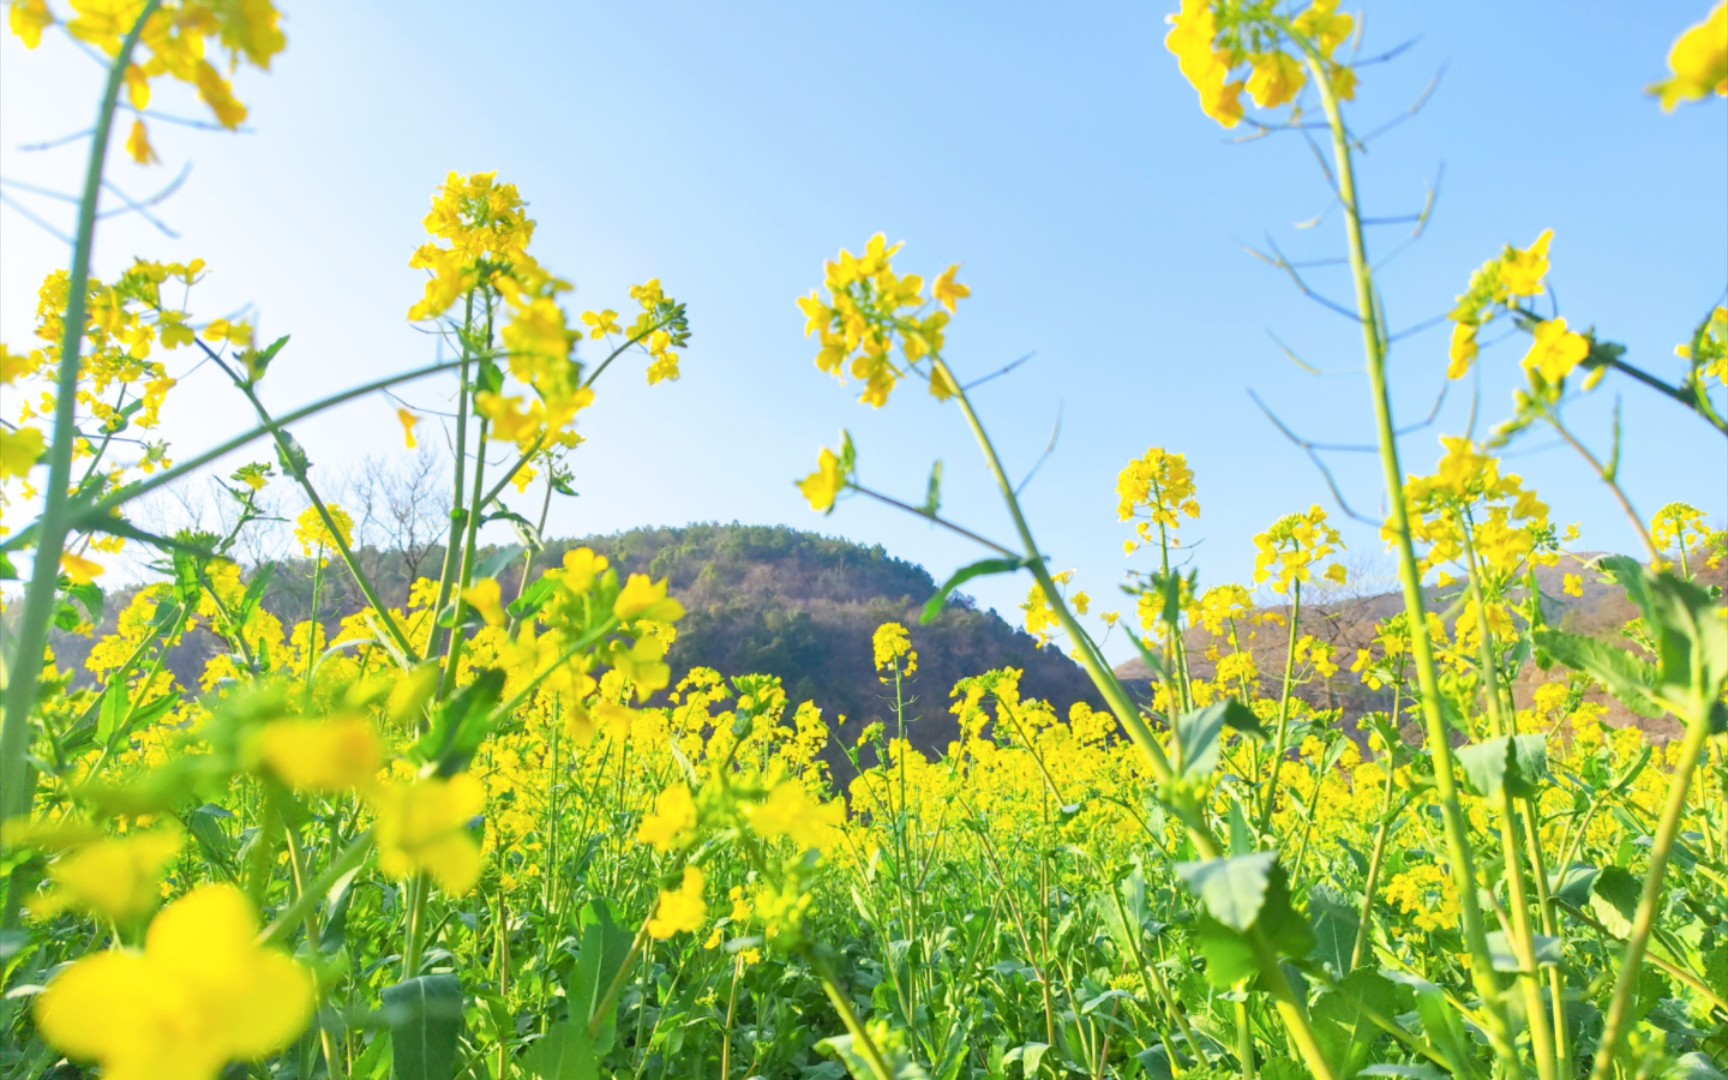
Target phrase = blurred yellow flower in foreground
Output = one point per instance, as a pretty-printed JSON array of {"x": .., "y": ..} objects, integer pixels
[
  {"x": 423, "y": 828},
  {"x": 203, "y": 993}
]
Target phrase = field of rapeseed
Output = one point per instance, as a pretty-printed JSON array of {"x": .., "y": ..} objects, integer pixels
[{"x": 492, "y": 834}]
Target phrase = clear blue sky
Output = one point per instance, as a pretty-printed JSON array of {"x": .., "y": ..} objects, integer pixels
[{"x": 1054, "y": 150}]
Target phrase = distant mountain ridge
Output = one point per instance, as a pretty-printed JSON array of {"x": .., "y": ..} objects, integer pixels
[
  {"x": 760, "y": 599},
  {"x": 1349, "y": 624}
]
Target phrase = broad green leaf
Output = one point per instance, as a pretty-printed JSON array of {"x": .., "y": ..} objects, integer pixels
[
  {"x": 1515, "y": 764},
  {"x": 1335, "y": 920},
  {"x": 1615, "y": 899},
  {"x": 900, "y": 1065},
  {"x": 1629, "y": 679},
  {"x": 1029, "y": 1055},
  {"x": 1341, "y": 1018},
  {"x": 1200, "y": 734},
  {"x": 604, "y": 946},
  {"x": 1407, "y": 1072},
  {"x": 1573, "y": 884},
  {"x": 460, "y": 724},
  {"x": 1439, "y": 1019},
  {"x": 492, "y": 565},
  {"x": 1243, "y": 896},
  {"x": 564, "y": 1053},
  {"x": 1232, "y": 890},
  {"x": 425, "y": 1018},
  {"x": 981, "y": 568},
  {"x": 116, "y": 704},
  {"x": 1693, "y": 1066},
  {"x": 1505, "y": 957}
]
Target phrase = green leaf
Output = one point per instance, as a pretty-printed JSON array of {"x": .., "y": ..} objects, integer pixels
[
  {"x": 1242, "y": 897},
  {"x": 492, "y": 565},
  {"x": 1341, "y": 1018},
  {"x": 933, "y": 492},
  {"x": 1407, "y": 1072},
  {"x": 605, "y": 945},
  {"x": 981, "y": 568},
  {"x": 257, "y": 361},
  {"x": 1629, "y": 679},
  {"x": 1439, "y": 1019},
  {"x": 425, "y": 1017},
  {"x": 1573, "y": 884},
  {"x": 563, "y": 1053},
  {"x": 900, "y": 1065},
  {"x": 116, "y": 704},
  {"x": 461, "y": 723},
  {"x": 1505, "y": 957},
  {"x": 1693, "y": 1066},
  {"x": 1029, "y": 1055},
  {"x": 1615, "y": 899},
  {"x": 1154, "y": 663},
  {"x": 533, "y": 598},
  {"x": 1232, "y": 890},
  {"x": 1336, "y": 922},
  {"x": 1515, "y": 764},
  {"x": 1691, "y": 644},
  {"x": 1199, "y": 734},
  {"x": 254, "y": 592}
]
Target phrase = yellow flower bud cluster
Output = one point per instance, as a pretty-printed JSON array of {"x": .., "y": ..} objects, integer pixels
[
  {"x": 1213, "y": 40},
  {"x": 866, "y": 309}
]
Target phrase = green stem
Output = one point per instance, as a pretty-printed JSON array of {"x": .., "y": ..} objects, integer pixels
[
  {"x": 1524, "y": 941},
  {"x": 414, "y": 933},
  {"x": 1364, "y": 926},
  {"x": 1644, "y": 919},
  {"x": 293, "y": 462},
  {"x": 92, "y": 515},
  {"x": 278, "y": 932},
  {"x": 314, "y": 941},
  {"x": 1290, "y": 1009},
  {"x": 1269, "y": 798},
  {"x": 458, "y": 516},
  {"x": 861, "y": 1039},
  {"x": 16, "y": 783},
  {"x": 1438, "y": 743}
]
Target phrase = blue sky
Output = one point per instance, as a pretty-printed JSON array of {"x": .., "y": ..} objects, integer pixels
[{"x": 1053, "y": 150}]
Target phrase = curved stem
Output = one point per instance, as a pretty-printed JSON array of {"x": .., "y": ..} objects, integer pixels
[
  {"x": 93, "y": 514},
  {"x": 1619, "y": 1017},
  {"x": 1270, "y": 795},
  {"x": 1438, "y": 743},
  {"x": 1290, "y": 1007},
  {"x": 25, "y": 667}
]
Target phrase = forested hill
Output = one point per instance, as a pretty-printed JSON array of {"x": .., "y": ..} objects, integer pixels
[
  {"x": 801, "y": 606},
  {"x": 760, "y": 599}
]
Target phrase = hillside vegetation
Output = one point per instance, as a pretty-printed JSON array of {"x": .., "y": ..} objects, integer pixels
[{"x": 760, "y": 599}]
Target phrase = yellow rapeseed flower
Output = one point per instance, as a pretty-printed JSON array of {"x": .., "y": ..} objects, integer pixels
[
  {"x": 324, "y": 755},
  {"x": 789, "y": 811},
  {"x": 1555, "y": 351},
  {"x": 682, "y": 910},
  {"x": 202, "y": 993},
  {"x": 1699, "y": 61},
  {"x": 20, "y": 449},
  {"x": 824, "y": 485},
  {"x": 423, "y": 828},
  {"x": 115, "y": 878},
  {"x": 673, "y": 820},
  {"x": 486, "y": 597},
  {"x": 82, "y": 571},
  {"x": 947, "y": 291},
  {"x": 645, "y": 600}
]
